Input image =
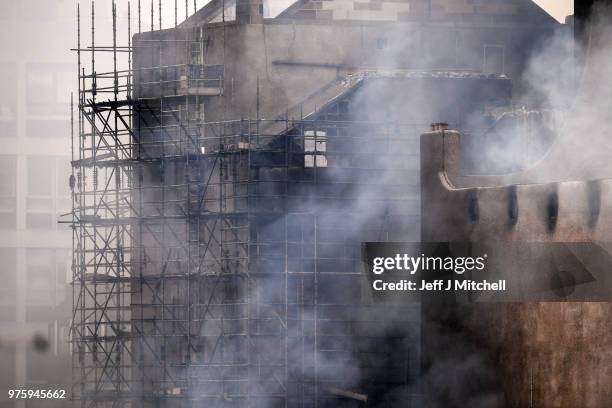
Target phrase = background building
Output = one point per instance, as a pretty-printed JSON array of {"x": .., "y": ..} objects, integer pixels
[{"x": 36, "y": 78}]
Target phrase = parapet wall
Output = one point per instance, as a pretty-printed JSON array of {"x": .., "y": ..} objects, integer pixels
[{"x": 507, "y": 207}]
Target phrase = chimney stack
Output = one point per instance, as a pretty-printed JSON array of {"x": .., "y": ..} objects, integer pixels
[
  {"x": 585, "y": 13},
  {"x": 249, "y": 11},
  {"x": 582, "y": 12}
]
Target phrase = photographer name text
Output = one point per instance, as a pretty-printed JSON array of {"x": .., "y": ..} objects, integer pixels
[{"x": 440, "y": 285}]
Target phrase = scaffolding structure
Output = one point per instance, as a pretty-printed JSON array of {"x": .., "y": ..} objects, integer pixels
[{"x": 214, "y": 262}]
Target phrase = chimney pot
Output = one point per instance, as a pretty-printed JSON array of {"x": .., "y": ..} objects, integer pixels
[{"x": 438, "y": 126}]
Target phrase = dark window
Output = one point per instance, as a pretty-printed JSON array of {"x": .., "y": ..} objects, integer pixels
[
  {"x": 47, "y": 273},
  {"x": 442, "y": 49},
  {"x": 8, "y": 177},
  {"x": 7, "y": 374},
  {"x": 48, "y": 88},
  {"x": 493, "y": 59},
  {"x": 57, "y": 128},
  {"x": 8, "y": 288},
  {"x": 48, "y": 194},
  {"x": 196, "y": 54},
  {"x": 8, "y": 90}
]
